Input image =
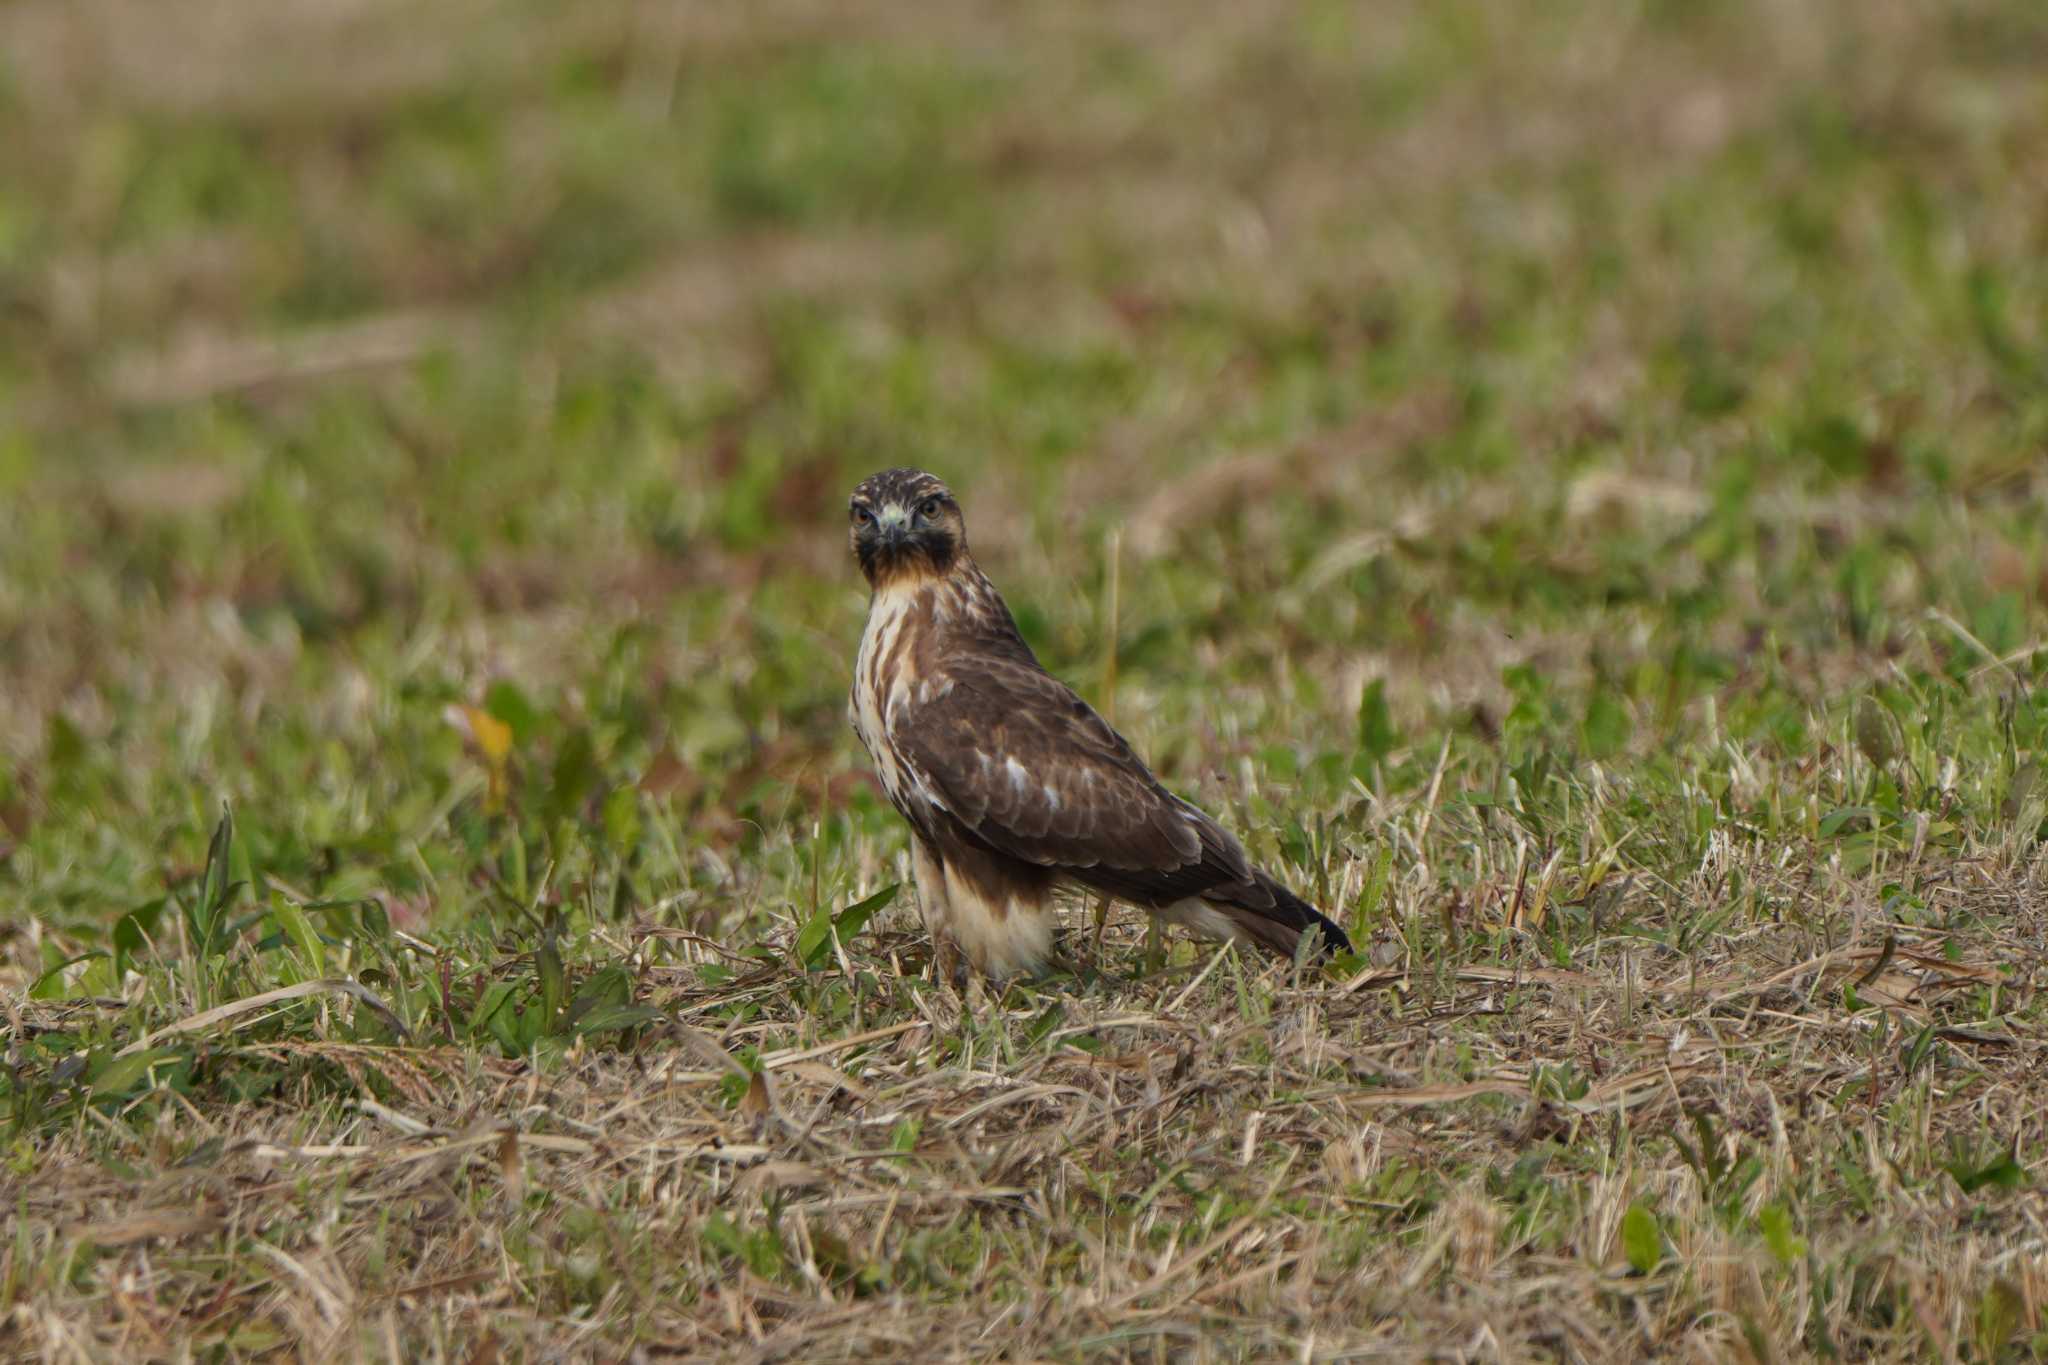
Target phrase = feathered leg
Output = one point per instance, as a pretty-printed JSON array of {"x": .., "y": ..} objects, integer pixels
[{"x": 930, "y": 874}]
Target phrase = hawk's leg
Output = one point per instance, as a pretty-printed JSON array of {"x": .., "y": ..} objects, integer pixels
[{"x": 948, "y": 966}]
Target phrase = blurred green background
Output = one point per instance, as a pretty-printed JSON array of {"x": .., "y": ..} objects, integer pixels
[{"x": 1594, "y": 379}]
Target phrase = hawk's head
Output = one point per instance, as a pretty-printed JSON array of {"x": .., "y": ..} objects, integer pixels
[{"x": 905, "y": 524}]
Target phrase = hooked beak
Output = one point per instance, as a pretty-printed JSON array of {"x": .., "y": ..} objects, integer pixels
[{"x": 894, "y": 524}]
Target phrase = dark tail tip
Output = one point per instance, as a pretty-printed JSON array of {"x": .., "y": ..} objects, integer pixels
[
  {"x": 1335, "y": 940},
  {"x": 1301, "y": 916},
  {"x": 1281, "y": 926}
]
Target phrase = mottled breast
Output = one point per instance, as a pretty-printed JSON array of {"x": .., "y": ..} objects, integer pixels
[{"x": 883, "y": 674}]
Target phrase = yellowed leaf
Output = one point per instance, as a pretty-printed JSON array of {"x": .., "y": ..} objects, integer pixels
[
  {"x": 492, "y": 739},
  {"x": 493, "y": 736}
]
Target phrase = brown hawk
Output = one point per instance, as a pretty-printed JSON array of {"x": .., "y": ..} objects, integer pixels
[{"x": 1011, "y": 783}]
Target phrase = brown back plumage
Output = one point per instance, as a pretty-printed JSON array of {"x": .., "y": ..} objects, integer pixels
[{"x": 981, "y": 749}]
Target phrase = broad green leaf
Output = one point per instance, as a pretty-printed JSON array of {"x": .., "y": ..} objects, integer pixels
[
  {"x": 1835, "y": 821},
  {"x": 206, "y": 916},
  {"x": 622, "y": 820},
  {"x": 2006, "y": 1173},
  {"x": 1999, "y": 1314},
  {"x": 814, "y": 940},
  {"x": 1608, "y": 725},
  {"x": 50, "y": 985},
  {"x": 1373, "y": 897},
  {"x": 514, "y": 1027},
  {"x": 132, "y": 931},
  {"x": 1377, "y": 736},
  {"x": 855, "y": 917},
  {"x": 1784, "y": 1241},
  {"x": 1712, "y": 1160},
  {"x": 1917, "y": 1053},
  {"x": 554, "y": 982},
  {"x": 349, "y": 918},
  {"x": 1874, "y": 732},
  {"x": 214, "y": 879},
  {"x": 65, "y": 749},
  {"x": 291, "y": 921},
  {"x": 575, "y": 772},
  {"x": 122, "y": 1074},
  {"x": 605, "y": 986},
  {"x": 612, "y": 1017},
  {"x": 496, "y": 997},
  {"x": 506, "y": 704},
  {"x": 1642, "y": 1241},
  {"x": 1048, "y": 1019}
]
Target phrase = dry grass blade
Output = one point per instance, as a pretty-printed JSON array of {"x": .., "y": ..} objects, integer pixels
[
  {"x": 788, "y": 1056},
  {"x": 147, "y": 1225},
  {"x": 235, "y": 1009}
]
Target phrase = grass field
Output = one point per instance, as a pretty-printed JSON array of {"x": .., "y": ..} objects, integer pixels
[{"x": 1567, "y": 483}]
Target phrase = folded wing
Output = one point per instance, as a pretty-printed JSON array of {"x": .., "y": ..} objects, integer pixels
[{"x": 1022, "y": 765}]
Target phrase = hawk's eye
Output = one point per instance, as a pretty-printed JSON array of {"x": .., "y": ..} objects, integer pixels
[
  {"x": 861, "y": 516},
  {"x": 928, "y": 508}
]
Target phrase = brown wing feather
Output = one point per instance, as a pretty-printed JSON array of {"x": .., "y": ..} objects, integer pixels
[{"x": 1024, "y": 766}]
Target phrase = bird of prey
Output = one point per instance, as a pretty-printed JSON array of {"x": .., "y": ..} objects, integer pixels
[{"x": 1011, "y": 783}]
